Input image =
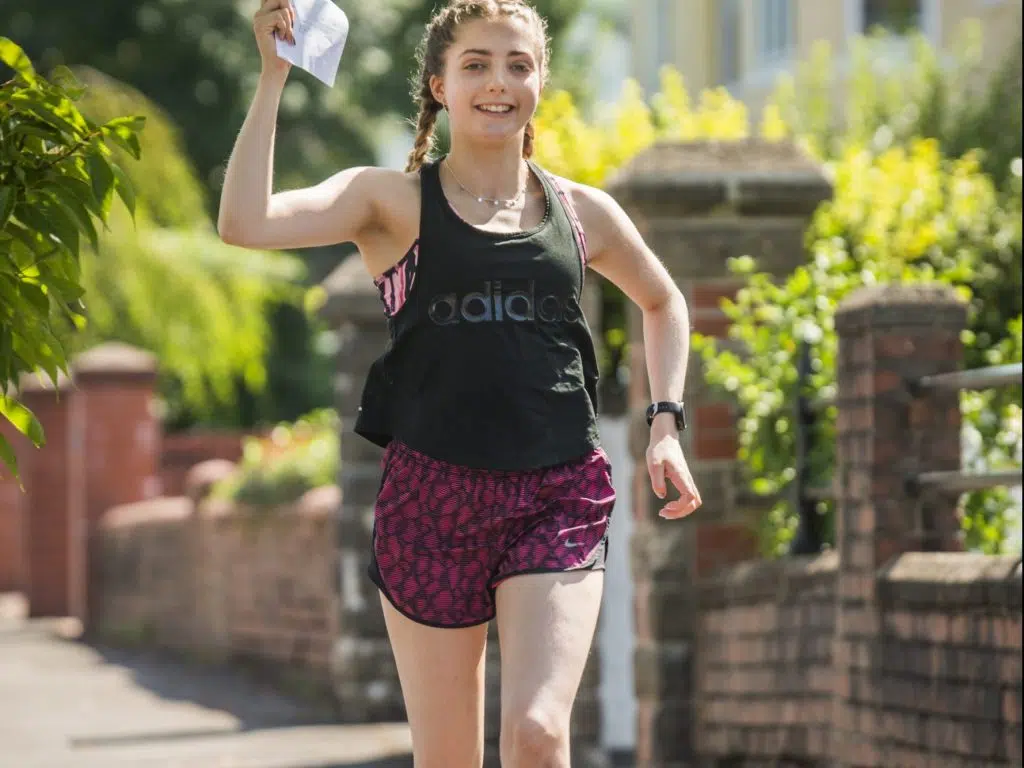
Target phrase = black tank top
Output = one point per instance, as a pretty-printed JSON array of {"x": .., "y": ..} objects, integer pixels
[{"x": 490, "y": 363}]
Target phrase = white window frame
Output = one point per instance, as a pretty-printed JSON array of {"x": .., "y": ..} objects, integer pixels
[
  {"x": 763, "y": 27},
  {"x": 740, "y": 35}
]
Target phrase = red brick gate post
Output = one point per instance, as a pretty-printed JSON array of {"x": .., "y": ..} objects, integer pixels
[
  {"x": 887, "y": 336},
  {"x": 121, "y": 446},
  {"x": 699, "y": 205},
  {"x": 54, "y": 502}
]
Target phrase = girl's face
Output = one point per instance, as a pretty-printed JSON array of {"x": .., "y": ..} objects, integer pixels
[{"x": 492, "y": 79}]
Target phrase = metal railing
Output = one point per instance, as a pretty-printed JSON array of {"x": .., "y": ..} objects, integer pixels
[{"x": 809, "y": 537}]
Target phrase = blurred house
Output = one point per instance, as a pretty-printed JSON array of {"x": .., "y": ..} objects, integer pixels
[{"x": 745, "y": 44}]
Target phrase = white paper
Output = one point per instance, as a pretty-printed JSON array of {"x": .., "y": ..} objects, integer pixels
[{"x": 320, "y": 31}]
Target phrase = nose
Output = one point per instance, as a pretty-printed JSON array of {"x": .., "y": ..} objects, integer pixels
[{"x": 497, "y": 81}]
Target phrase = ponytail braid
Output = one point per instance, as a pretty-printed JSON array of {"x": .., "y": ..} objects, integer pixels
[
  {"x": 425, "y": 122},
  {"x": 528, "y": 137}
]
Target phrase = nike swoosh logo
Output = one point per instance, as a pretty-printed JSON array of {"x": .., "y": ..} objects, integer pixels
[{"x": 572, "y": 544}]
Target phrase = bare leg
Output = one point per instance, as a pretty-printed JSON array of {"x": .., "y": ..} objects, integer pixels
[
  {"x": 442, "y": 676},
  {"x": 546, "y": 625}
]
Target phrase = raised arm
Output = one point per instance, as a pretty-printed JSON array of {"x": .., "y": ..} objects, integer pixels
[{"x": 251, "y": 214}]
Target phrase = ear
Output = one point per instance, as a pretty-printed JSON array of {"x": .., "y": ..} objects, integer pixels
[{"x": 437, "y": 88}]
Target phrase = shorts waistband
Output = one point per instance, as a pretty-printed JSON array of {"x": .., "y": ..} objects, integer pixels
[{"x": 398, "y": 449}]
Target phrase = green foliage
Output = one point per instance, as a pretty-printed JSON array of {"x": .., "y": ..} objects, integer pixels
[
  {"x": 912, "y": 203},
  {"x": 902, "y": 215},
  {"x": 199, "y": 305},
  {"x": 57, "y": 179},
  {"x": 293, "y": 459}
]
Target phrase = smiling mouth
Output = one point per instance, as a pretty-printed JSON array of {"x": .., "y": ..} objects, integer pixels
[{"x": 495, "y": 109}]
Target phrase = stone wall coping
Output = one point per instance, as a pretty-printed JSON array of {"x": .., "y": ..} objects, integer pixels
[
  {"x": 900, "y": 305},
  {"x": 115, "y": 361},
  {"x": 39, "y": 382},
  {"x": 751, "y": 176},
  {"x": 768, "y": 580},
  {"x": 317, "y": 503},
  {"x": 201, "y": 478},
  {"x": 952, "y": 581},
  {"x": 159, "y": 511},
  {"x": 770, "y": 159}
]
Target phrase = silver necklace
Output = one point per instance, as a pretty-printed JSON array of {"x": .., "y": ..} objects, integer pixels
[{"x": 496, "y": 202}]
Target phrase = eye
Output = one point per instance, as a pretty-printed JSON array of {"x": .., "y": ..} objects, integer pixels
[
  {"x": 521, "y": 67},
  {"x": 475, "y": 65}
]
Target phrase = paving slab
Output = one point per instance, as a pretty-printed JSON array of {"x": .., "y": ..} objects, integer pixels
[{"x": 65, "y": 703}]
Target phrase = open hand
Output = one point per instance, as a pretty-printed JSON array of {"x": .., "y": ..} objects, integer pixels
[{"x": 666, "y": 463}]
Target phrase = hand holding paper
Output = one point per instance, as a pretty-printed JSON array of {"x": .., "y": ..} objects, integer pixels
[{"x": 320, "y": 31}]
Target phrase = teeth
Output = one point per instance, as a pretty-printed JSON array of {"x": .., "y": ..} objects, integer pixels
[{"x": 496, "y": 109}]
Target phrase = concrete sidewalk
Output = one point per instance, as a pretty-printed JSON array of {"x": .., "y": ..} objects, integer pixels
[{"x": 66, "y": 704}]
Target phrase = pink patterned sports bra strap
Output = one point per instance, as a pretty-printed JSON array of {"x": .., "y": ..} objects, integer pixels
[
  {"x": 396, "y": 284},
  {"x": 574, "y": 219}
]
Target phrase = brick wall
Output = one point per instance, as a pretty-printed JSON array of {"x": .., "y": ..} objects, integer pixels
[
  {"x": 946, "y": 683},
  {"x": 223, "y": 581},
  {"x": 698, "y": 205},
  {"x": 183, "y": 450},
  {"x": 875, "y": 654},
  {"x": 764, "y": 645}
]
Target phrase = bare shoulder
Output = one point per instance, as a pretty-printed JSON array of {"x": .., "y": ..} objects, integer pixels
[{"x": 395, "y": 194}]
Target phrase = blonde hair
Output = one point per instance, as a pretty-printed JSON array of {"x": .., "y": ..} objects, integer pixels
[{"x": 438, "y": 38}]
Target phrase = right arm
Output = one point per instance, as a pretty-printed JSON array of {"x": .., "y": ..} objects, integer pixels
[{"x": 336, "y": 210}]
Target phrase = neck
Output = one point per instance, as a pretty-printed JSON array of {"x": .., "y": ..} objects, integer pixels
[{"x": 496, "y": 173}]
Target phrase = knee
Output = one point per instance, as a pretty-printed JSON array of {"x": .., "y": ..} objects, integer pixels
[{"x": 535, "y": 739}]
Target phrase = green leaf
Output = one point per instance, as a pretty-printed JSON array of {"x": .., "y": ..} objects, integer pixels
[
  {"x": 23, "y": 420},
  {"x": 36, "y": 296},
  {"x": 123, "y": 132},
  {"x": 37, "y": 105},
  {"x": 103, "y": 182},
  {"x": 39, "y": 130},
  {"x": 125, "y": 190},
  {"x": 63, "y": 196},
  {"x": 14, "y": 57},
  {"x": 9, "y": 459},
  {"x": 62, "y": 224},
  {"x": 8, "y": 197}
]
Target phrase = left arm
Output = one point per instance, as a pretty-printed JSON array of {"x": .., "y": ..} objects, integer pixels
[{"x": 618, "y": 252}]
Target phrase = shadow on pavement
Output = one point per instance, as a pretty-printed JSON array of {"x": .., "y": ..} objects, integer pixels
[{"x": 255, "y": 703}]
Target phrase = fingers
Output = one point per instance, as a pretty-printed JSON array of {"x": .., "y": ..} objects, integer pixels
[
  {"x": 276, "y": 17},
  {"x": 656, "y": 469},
  {"x": 689, "y": 498}
]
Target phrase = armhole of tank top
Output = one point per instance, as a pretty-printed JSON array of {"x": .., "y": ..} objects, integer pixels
[
  {"x": 396, "y": 284},
  {"x": 579, "y": 236}
]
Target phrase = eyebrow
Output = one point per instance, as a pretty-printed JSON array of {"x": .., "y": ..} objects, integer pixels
[{"x": 485, "y": 52}]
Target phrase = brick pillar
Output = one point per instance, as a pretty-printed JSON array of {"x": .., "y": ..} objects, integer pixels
[
  {"x": 887, "y": 335},
  {"x": 698, "y": 205},
  {"x": 364, "y": 676},
  {"x": 54, "y": 503},
  {"x": 13, "y": 576},
  {"x": 116, "y": 384}
]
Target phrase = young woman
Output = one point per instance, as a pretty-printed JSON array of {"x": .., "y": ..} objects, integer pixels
[{"x": 496, "y": 495}]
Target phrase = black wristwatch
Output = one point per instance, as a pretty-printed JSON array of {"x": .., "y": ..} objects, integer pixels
[{"x": 667, "y": 407}]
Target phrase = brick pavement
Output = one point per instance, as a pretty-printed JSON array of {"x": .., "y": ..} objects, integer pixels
[{"x": 67, "y": 704}]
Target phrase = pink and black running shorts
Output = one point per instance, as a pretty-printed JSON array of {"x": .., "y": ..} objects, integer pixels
[{"x": 445, "y": 536}]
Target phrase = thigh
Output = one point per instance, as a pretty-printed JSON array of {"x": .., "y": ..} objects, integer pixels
[
  {"x": 546, "y": 624},
  {"x": 442, "y": 677}
]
